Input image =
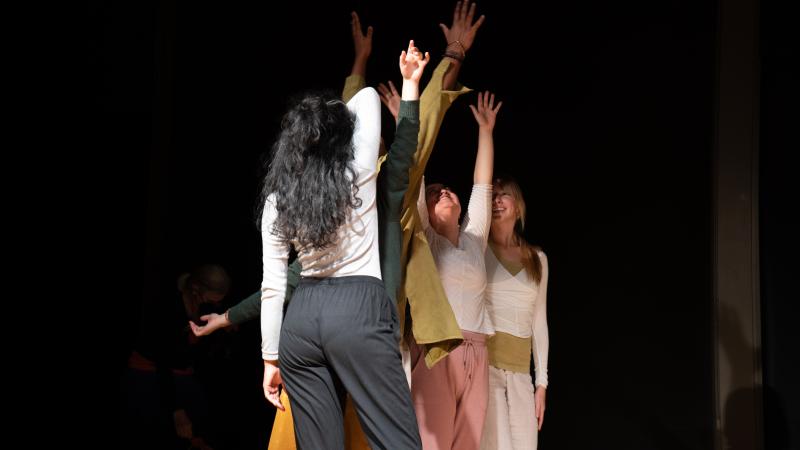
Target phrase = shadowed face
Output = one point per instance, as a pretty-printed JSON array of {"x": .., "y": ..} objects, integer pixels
[
  {"x": 443, "y": 204},
  {"x": 204, "y": 295}
]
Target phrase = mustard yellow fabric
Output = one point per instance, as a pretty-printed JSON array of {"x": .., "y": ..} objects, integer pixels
[
  {"x": 433, "y": 323},
  {"x": 510, "y": 352}
]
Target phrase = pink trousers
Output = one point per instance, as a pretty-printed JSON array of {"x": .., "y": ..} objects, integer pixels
[{"x": 450, "y": 399}]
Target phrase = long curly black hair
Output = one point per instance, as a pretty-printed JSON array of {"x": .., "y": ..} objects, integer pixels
[{"x": 311, "y": 172}]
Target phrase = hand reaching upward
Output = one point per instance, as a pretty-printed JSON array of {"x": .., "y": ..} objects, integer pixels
[
  {"x": 486, "y": 112},
  {"x": 412, "y": 64},
  {"x": 461, "y": 33}
]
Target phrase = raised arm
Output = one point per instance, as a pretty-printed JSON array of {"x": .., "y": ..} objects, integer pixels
[
  {"x": 485, "y": 114},
  {"x": 479, "y": 211},
  {"x": 422, "y": 206},
  {"x": 362, "y": 45},
  {"x": 459, "y": 38},
  {"x": 394, "y": 174}
]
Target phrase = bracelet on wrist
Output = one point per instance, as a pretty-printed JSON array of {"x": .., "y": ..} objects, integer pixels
[
  {"x": 463, "y": 49},
  {"x": 455, "y": 56}
]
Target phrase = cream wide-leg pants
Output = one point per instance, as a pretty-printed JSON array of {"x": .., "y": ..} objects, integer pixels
[{"x": 511, "y": 414}]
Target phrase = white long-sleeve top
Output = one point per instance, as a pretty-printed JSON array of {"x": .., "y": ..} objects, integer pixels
[
  {"x": 462, "y": 268},
  {"x": 518, "y": 306},
  {"x": 356, "y": 250}
]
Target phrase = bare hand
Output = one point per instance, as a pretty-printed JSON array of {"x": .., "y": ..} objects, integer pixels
[
  {"x": 412, "y": 64},
  {"x": 538, "y": 398},
  {"x": 462, "y": 29},
  {"x": 361, "y": 42},
  {"x": 485, "y": 113},
  {"x": 391, "y": 98},
  {"x": 213, "y": 323},
  {"x": 272, "y": 384}
]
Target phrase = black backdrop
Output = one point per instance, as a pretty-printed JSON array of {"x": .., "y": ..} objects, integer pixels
[{"x": 607, "y": 123}]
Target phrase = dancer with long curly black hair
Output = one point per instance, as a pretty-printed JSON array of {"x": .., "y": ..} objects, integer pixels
[{"x": 340, "y": 332}]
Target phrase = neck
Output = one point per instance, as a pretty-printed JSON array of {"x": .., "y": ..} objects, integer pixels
[
  {"x": 502, "y": 234},
  {"x": 450, "y": 231}
]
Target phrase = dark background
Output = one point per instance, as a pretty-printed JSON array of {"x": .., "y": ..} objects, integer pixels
[{"x": 608, "y": 124}]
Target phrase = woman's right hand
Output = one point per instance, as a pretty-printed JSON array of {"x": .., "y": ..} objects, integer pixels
[{"x": 273, "y": 383}]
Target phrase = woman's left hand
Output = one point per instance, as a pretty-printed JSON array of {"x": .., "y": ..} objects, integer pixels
[
  {"x": 538, "y": 398},
  {"x": 485, "y": 112}
]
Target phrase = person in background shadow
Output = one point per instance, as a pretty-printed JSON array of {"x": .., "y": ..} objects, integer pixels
[{"x": 165, "y": 406}]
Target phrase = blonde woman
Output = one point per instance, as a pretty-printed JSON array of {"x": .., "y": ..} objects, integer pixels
[{"x": 516, "y": 297}]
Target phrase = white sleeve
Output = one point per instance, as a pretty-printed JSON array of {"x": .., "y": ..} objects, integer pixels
[
  {"x": 422, "y": 206},
  {"x": 273, "y": 284},
  {"x": 541, "y": 341},
  {"x": 366, "y": 105},
  {"x": 479, "y": 213}
]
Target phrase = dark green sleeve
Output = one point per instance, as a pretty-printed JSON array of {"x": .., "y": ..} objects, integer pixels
[
  {"x": 250, "y": 307},
  {"x": 292, "y": 278},
  {"x": 393, "y": 177},
  {"x": 247, "y": 309},
  {"x": 392, "y": 186}
]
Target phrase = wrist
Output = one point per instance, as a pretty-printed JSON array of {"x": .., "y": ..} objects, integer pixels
[
  {"x": 410, "y": 90},
  {"x": 457, "y": 58},
  {"x": 227, "y": 317},
  {"x": 457, "y": 46}
]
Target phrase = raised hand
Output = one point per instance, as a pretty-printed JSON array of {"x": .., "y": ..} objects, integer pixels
[
  {"x": 485, "y": 112},
  {"x": 362, "y": 43},
  {"x": 461, "y": 33},
  {"x": 412, "y": 64},
  {"x": 390, "y": 97}
]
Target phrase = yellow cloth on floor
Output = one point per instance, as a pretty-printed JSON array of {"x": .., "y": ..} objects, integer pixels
[{"x": 282, "y": 437}]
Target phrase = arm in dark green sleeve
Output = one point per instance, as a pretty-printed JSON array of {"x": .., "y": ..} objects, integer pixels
[
  {"x": 393, "y": 177},
  {"x": 247, "y": 309},
  {"x": 392, "y": 185},
  {"x": 292, "y": 279},
  {"x": 250, "y": 307}
]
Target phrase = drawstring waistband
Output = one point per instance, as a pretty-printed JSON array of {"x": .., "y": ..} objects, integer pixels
[{"x": 470, "y": 341}]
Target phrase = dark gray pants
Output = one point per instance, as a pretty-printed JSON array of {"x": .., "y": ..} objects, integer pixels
[{"x": 339, "y": 336}]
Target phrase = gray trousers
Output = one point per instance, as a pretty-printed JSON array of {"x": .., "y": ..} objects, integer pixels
[{"x": 340, "y": 336}]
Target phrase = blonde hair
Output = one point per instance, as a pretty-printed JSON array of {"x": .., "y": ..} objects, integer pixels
[{"x": 530, "y": 253}]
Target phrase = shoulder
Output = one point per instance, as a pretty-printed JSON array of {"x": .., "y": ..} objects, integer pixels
[
  {"x": 269, "y": 212},
  {"x": 542, "y": 256},
  {"x": 365, "y": 95}
]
